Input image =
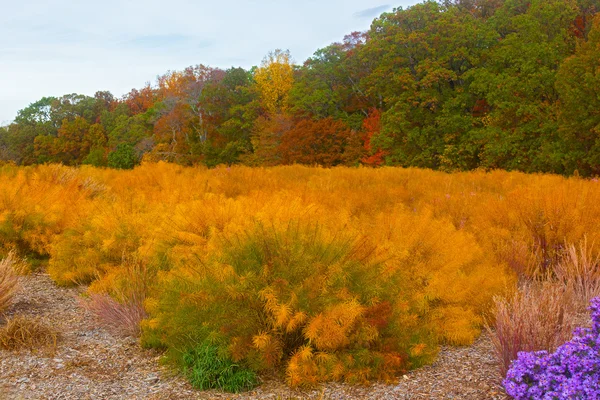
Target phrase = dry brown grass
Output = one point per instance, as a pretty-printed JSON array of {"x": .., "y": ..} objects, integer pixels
[
  {"x": 579, "y": 267},
  {"x": 540, "y": 316},
  {"x": 543, "y": 314},
  {"x": 27, "y": 333},
  {"x": 119, "y": 306},
  {"x": 9, "y": 281},
  {"x": 120, "y": 318}
]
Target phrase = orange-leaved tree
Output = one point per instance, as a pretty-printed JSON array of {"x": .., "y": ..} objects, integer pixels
[
  {"x": 273, "y": 81},
  {"x": 311, "y": 141},
  {"x": 372, "y": 127}
]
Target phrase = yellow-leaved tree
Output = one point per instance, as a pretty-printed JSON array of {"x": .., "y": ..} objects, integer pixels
[{"x": 274, "y": 80}]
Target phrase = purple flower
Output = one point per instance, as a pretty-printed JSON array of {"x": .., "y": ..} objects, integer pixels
[{"x": 571, "y": 372}]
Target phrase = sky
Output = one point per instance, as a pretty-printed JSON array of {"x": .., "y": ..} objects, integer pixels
[{"x": 56, "y": 47}]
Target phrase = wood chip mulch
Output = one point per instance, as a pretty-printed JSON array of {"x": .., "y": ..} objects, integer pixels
[{"x": 91, "y": 363}]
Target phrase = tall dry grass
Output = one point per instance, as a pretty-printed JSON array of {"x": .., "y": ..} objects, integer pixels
[
  {"x": 539, "y": 316},
  {"x": 579, "y": 268},
  {"x": 120, "y": 318},
  {"x": 119, "y": 306},
  {"x": 9, "y": 281}
]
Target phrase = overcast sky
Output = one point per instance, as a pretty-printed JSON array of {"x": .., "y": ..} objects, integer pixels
[{"x": 55, "y": 47}]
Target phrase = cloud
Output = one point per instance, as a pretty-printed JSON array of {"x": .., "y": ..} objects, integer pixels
[
  {"x": 169, "y": 40},
  {"x": 372, "y": 12}
]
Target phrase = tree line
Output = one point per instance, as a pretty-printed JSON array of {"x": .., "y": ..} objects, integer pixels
[{"x": 449, "y": 85}]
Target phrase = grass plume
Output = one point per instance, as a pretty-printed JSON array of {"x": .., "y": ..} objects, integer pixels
[{"x": 539, "y": 316}]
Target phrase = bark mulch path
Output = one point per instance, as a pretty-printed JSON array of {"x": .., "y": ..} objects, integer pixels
[{"x": 91, "y": 363}]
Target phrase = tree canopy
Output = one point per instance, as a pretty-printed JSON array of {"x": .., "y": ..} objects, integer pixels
[{"x": 450, "y": 85}]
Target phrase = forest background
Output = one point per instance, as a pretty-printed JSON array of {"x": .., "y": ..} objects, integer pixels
[{"x": 447, "y": 85}]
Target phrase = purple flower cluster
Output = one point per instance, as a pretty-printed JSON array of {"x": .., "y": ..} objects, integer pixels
[{"x": 571, "y": 372}]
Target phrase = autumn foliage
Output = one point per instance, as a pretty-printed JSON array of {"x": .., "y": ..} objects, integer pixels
[
  {"x": 372, "y": 127},
  {"x": 325, "y": 142},
  {"x": 229, "y": 231},
  {"x": 446, "y": 85}
]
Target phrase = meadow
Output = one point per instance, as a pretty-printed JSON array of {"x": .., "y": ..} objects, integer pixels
[{"x": 311, "y": 274}]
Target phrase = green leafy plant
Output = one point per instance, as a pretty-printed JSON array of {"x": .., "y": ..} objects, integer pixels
[{"x": 207, "y": 369}]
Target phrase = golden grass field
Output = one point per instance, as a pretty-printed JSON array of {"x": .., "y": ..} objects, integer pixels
[{"x": 347, "y": 274}]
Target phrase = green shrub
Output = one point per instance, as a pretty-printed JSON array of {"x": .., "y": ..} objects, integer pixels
[
  {"x": 295, "y": 298},
  {"x": 207, "y": 369}
]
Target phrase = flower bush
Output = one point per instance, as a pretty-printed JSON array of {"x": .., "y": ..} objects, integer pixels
[{"x": 571, "y": 372}]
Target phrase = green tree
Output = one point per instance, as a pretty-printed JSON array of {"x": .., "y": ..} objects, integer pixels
[
  {"x": 423, "y": 56},
  {"x": 230, "y": 107},
  {"x": 96, "y": 157},
  {"x": 578, "y": 83},
  {"x": 329, "y": 83},
  {"x": 123, "y": 157},
  {"x": 517, "y": 80}
]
